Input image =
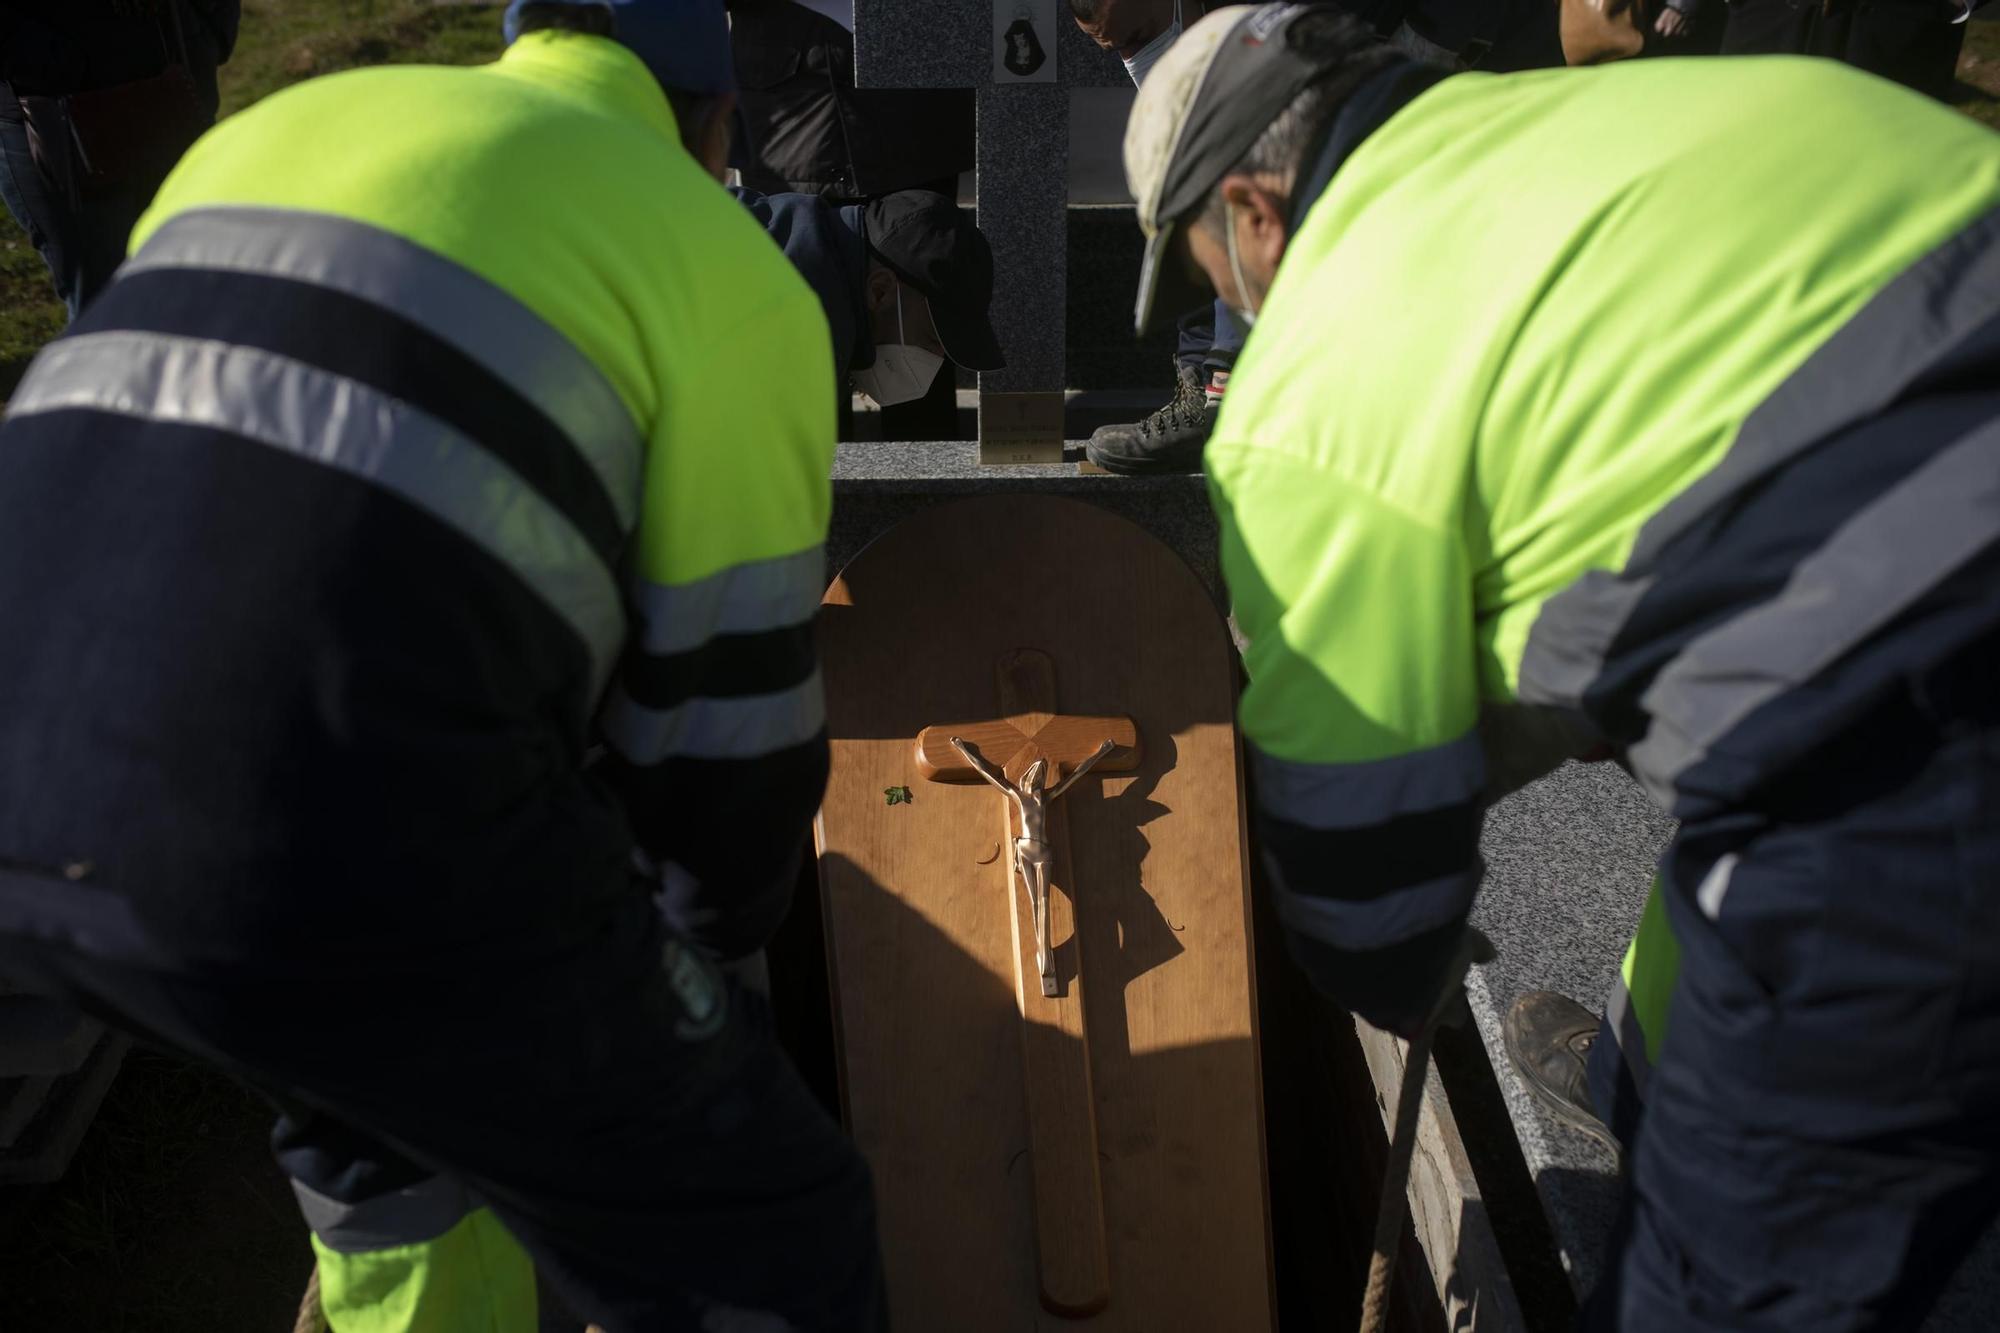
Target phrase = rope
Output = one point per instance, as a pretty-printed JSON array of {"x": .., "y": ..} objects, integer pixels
[
  {"x": 1395, "y": 1205},
  {"x": 310, "y": 1319}
]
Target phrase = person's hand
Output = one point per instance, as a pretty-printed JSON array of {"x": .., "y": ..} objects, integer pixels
[{"x": 1671, "y": 23}]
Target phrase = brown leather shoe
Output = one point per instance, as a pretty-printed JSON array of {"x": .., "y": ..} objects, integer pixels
[{"x": 1548, "y": 1038}]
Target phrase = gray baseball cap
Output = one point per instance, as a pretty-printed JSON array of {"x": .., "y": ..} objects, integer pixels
[{"x": 1214, "y": 92}]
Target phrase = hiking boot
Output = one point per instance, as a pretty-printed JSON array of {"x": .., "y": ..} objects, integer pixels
[
  {"x": 1171, "y": 439},
  {"x": 1548, "y": 1038}
]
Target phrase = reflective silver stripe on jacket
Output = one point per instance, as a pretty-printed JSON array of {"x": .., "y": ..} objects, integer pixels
[
  {"x": 748, "y": 727},
  {"x": 1352, "y": 796},
  {"x": 1376, "y": 923},
  {"x": 1873, "y": 567},
  {"x": 748, "y": 598},
  {"x": 334, "y": 421},
  {"x": 410, "y": 1216},
  {"x": 445, "y": 299}
]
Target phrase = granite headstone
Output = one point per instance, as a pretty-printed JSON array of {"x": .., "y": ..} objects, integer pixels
[{"x": 1023, "y": 154}]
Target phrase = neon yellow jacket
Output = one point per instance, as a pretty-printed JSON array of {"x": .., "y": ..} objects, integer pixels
[
  {"x": 539, "y": 219},
  {"x": 444, "y": 424},
  {"x": 1528, "y": 313}
]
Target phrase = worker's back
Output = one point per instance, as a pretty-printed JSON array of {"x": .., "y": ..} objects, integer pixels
[
  {"x": 1525, "y": 315},
  {"x": 336, "y": 515}
]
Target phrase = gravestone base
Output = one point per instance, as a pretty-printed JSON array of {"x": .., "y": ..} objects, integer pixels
[{"x": 876, "y": 486}]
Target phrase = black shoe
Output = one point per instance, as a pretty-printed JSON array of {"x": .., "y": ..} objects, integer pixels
[
  {"x": 1548, "y": 1038},
  {"x": 1171, "y": 439}
]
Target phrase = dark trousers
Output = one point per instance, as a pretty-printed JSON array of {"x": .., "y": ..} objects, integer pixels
[
  {"x": 80, "y": 248},
  {"x": 1209, "y": 340},
  {"x": 632, "y": 1122},
  {"x": 1910, "y": 41},
  {"x": 80, "y": 226},
  {"x": 1817, "y": 1145},
  {"x": 80, "y": 231}
]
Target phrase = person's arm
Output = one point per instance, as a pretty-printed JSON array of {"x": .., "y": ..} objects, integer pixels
[
  {"x": 1361, "y": 717},
  {"x": 715, "y": 723}
]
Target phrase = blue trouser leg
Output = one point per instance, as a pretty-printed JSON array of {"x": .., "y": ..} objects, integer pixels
[
  {"x": 1209, "y": 339},
  {"x": 41, "y": 212},
  {"x": 1227, "y": 340},
  {"x": 1195, "y": 335},
  {"x": 1817, "y": 1150}
]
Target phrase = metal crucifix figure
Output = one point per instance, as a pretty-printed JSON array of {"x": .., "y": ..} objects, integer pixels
[{"x": 1033, "y": 855}]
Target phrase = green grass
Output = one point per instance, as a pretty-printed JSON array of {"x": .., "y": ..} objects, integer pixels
[
  {"x": 1979, "y": 74},
  {"x": 283, "y": 42},
  {"x": 29, "y": 313}
]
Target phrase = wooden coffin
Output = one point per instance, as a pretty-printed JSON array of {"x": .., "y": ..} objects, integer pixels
[{"x": 1092, "y": 1158}]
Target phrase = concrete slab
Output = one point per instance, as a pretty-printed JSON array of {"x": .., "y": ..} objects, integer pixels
[
  {"x": 1568, "y": 863},
  {"x": 878, "y": 485},
  {"x": 949, "y": 44},
  {"x": 1104, "y": 251},
  {"x": 1023, "y": 148},
  {"x": 1097, "y": 119}
]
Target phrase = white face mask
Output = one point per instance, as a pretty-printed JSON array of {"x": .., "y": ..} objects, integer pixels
[
  {"x": 1140, "y": 65},
  {"x": 901, "y": 373},
  {"x": 1243, "y": 311}
]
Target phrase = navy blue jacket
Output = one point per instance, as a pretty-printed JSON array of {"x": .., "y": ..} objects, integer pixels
[{"x": 828, "y": 245}]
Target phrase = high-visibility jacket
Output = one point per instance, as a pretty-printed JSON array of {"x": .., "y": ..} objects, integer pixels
[
  {"x": 1554, "y": 401},
  {"x": 444, "y": 426}
]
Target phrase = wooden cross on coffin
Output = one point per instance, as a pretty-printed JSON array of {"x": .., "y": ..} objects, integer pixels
[{"x": 1033, "y": 753}]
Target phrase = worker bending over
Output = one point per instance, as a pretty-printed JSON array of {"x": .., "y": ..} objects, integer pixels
[
  {"x": 427, "y": 443},
  {"x": 1645, "y": 433}
]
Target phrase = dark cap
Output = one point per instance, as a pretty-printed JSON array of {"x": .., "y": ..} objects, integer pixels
[
  {"x": 932, "y": 245},
  {"x": 1213, "y": 94}
]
